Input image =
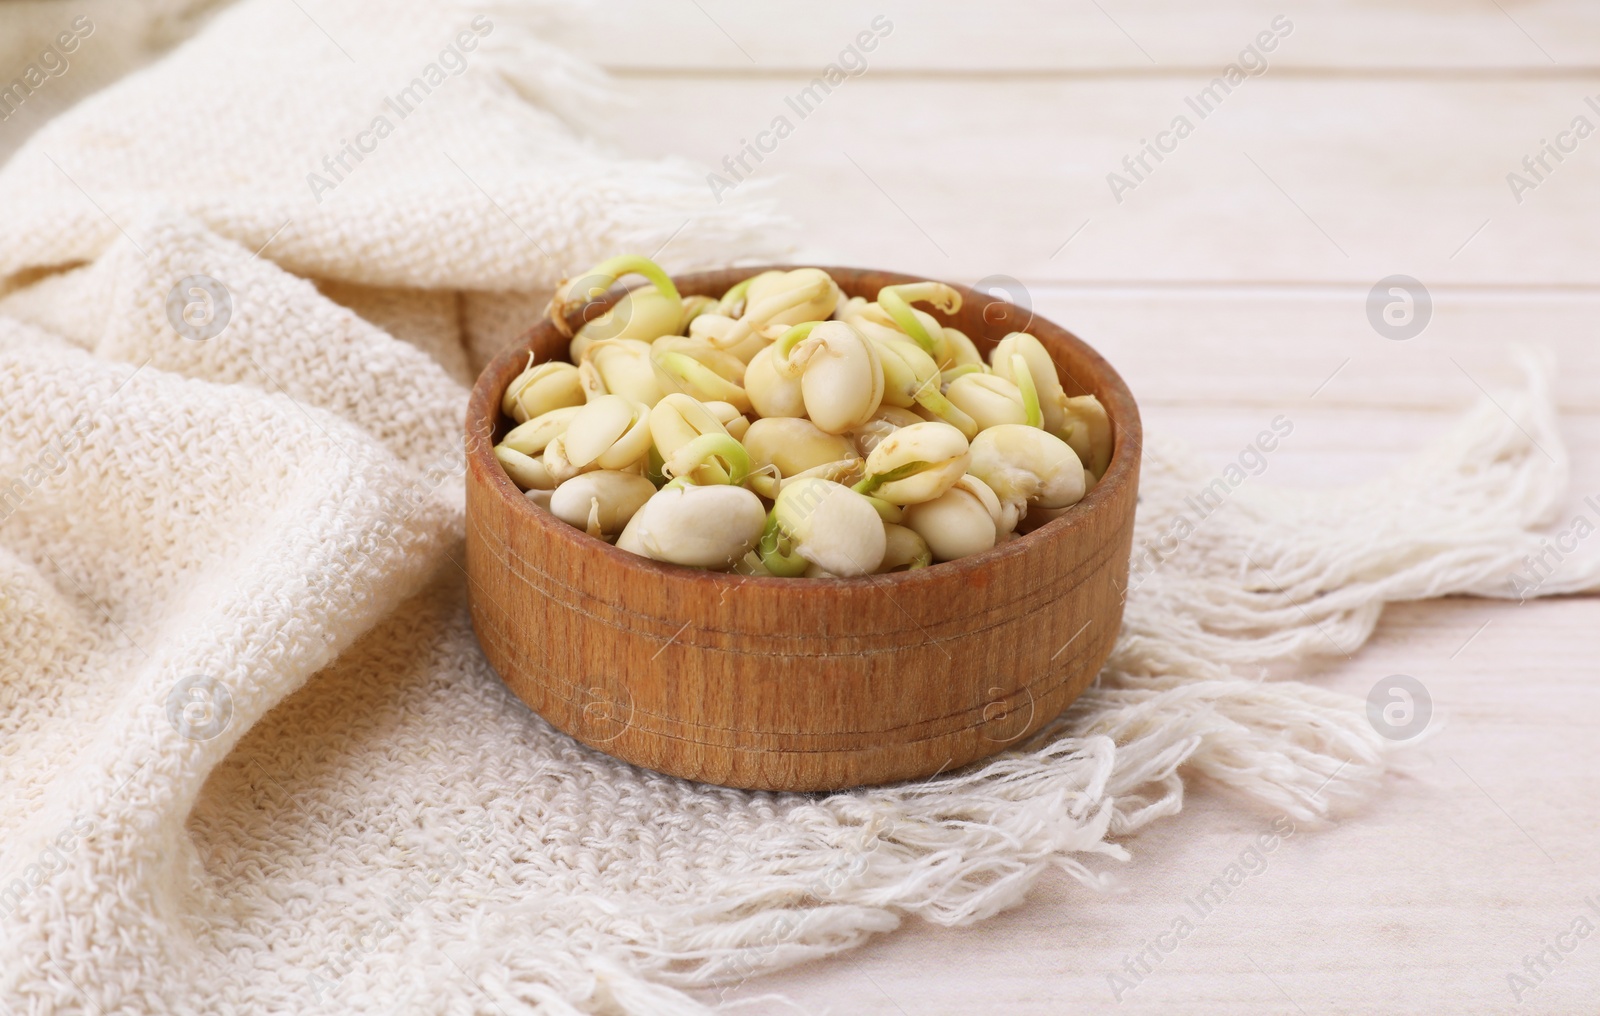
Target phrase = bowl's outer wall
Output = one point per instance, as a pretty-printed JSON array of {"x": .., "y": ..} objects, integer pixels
[{"x": 786, "y": 684}]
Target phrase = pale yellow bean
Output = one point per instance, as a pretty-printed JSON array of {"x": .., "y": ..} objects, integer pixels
[
  {"x": 1027, "y": 466},
  {"x": 531, "y": 436},
  {"x": 988, "y": 398},
  {"x": 625, "y": 368},
  {"x": 730, "y": 416},
  {"x": 1043, "y": 370},
  {"x": 602, "y": 501},
  {"x": 556, "y": 463},
  {"x": 526, "y": 472},
  {"x": 788, "y": 298},
  {"x": 720, "y": 361},
  {"x": 680, "y": 372},
  {"x": 794, "y": 445},
  {"x": 904, "y": 549},
  {"x": 780, "y": 299},
  {"x": 917, "y": 463},
  {"x": 693, "y": 307},
  {"x": 841, "y": 376},
  {"x": 962, "y": 521},
  {"x": 610, "y": 433},
  {"x": 540, "y": 389},
  {"x": 704, "y": 527},
  {"x": 1087, "y": 428},
  {"x": 677, "y": 420},
  {"x": 772, "y": 394},
  {"x": 831, "y": 526},
  {"x": 643, "y": 314},
  {"x": 962, "y": 349},
  {"x": 718, "y": 329},
  {"x": 884, "y": 422}
]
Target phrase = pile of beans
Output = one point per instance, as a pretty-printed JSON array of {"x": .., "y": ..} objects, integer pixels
[{"x": 786, "y": 430}]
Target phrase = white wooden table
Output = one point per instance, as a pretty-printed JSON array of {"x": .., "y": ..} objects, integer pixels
[{"x": 1230, "y": 284}]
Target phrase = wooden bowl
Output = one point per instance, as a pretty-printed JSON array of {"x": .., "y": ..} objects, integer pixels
[{"x": 800, "y": 684}]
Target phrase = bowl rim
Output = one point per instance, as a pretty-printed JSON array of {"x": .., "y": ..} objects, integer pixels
[{"x": 483, "y": 415}]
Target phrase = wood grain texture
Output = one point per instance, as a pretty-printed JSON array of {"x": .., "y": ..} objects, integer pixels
[
  {"x": 788, "y": 684},
  {"x": 1108, "y": 37},
  {"x": 1291, "y": 180}
]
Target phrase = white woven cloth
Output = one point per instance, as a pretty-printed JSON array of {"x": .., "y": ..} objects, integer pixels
[{"x": 251, "y": 758}]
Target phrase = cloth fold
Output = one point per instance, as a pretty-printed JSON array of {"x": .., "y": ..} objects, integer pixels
[{"x": 252, "y": 759}]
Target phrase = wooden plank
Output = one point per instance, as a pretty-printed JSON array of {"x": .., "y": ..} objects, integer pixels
[
  {"x": 1243, "y": 346},
  {"x": 1288, "y": 181},
  {"x": 1213, "y": 368},
  {"x": 1048, "y": 36}
]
